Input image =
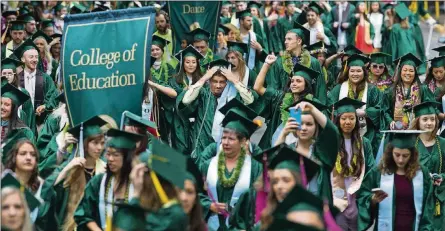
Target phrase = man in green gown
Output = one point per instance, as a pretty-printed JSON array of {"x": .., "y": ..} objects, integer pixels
[
  {"x": 231, "y": 172},
  {"x": 201, "y": 43},
  {"x": 318, "y": 32},
  {"x": 17, "y": 33},
  {"x": 283, "y": 25},
  {"x": 40, "y": 86},
  {"x": 295, "y": 53},
  {"x": 30, "y": 24},
  {"x": 202, "y": 101}
]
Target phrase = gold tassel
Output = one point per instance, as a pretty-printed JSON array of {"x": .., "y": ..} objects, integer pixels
[
  {"x": 158, "y": 187},
  {"x": 437, "y": 210},
  {"x": 437, "y": 8},
  {"x": 413, "y": 7},
  {"x": 109, "y": 224},
  {"x": 425, "y": 5},
  {"x": 4, "y": 35}
]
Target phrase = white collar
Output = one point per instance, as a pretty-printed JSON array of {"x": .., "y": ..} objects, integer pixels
[{"x": 32, "y": 74}]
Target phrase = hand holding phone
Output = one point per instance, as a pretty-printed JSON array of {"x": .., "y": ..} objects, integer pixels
[{"x": 296, "y": 114}]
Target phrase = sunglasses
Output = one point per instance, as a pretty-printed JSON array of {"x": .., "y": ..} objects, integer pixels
[{"x": 378, "y": 66}]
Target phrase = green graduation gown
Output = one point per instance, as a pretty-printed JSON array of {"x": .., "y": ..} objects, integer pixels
[
  {"x": 373, "y": 112},
  {"x": 163, "y": 74},
  {"x": 225, "y": 194},
  {"x": 12, "y": 137},
  {"x": 367, "y": 213},
  {"x": 388, "y": 104},
  {"x": 46, "y": 219},
  {"x": 50, "y": 129},
  {"x": 434, "y": 161},
  {"x": 402, "y": 41},
  {"x": 204, "y": 105},
  {"x": 28, "y": 113},
  {"x": 243, "y": 215},
  {"x": 167, "y": 218}
]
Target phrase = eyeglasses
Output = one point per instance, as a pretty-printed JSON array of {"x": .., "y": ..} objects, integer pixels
[
  {"x": 8, "y": 75},
  {"x": 375, "y": 66}
]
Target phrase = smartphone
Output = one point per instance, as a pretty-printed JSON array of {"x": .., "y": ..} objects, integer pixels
[
  {"x": 296, "y": 114},
  {"x": 376, "y": 190}
]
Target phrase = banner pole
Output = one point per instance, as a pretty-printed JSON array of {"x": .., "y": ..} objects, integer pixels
[{"x": 121, "y": 127}]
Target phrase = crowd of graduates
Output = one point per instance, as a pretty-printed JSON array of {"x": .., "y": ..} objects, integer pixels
[{"x": 304, "y": 116}]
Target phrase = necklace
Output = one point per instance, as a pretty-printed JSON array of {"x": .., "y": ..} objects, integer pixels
[
  {"x": 228, "y": 183},
  {"x": 91, "y": 173}
]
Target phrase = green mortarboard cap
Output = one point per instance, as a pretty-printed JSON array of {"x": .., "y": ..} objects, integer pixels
[
  {"x": 236, "y": 46},
  {"x": 318, "y": 47},
  {"x": 379, "y": 57},
  {"x": 300, "y": 199},
  {"x": 42, "y": 34},
  {"x": 25, "y": 46},
  {"x": 159, "y": 41},
  {"x": 239, "y": 107},
  {"x": 402, "y": 11},
  {"x": 301, "y": 32},
  {"x": 306, "y": 73},
  {"x": 357, "y": 60},
  {"x": 24, "y": 10},
  {"x": 135, "y": 120},
  {"x": 188, "y": 51},
  {"x": 194, "y": 175},
  {"x": 269, "y": 153},
  {"x": 13, "y": 93},
  {"x": 286, "y": 3},
  {"x": 8, "y": 180},
  {"x": 286, "y": 158},
  {"x": 243, "y": 13},
  {"x": 77, "y": 8},
  {"x": 316, "y": 8},
  {"x": 200, "y": 34},
  {"x": 351, "y": 50},
  {"x": 56, "y": 36},
  {"x": 226, "y": 3},
  {"x": 408, "y": 59},
  {"x": 218, "y": 63},
  {"x": 61, "y": 97},
  {"x": 425, "y": 108},
  {"x": 122, "y": 139},
  {"x": 26, "y": 18},
  {"x": 10, "y": 63},
  {"x": 281, "y": 223},
  {"x": 236, "y": 120},
  {"x": 387, "y": 6},
  {"x": 403, "y": 139},
  {"x": 320, "y": 106},
  {"x": 58, "y": 7},
  {"x": 91, "y": 127},
  {"x": 46, "y": 23},
  {"x": 224, "y": 29},
  {"x": 438, "y": 61},
  {"x": 347, "y": 105},
  {"x": 17, "y": 25},
  {"x": 168, "y": 163},
  {"x": 9, "y": 13},
  {"x": 253, "y": 4},
  {"x": 441, "y": 50}
]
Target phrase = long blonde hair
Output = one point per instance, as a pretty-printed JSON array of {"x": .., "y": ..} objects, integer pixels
[
  {"x": 47, "y": 54},
  {"x": 241, "y": 64},
  {"x": 8, "y": 191}
]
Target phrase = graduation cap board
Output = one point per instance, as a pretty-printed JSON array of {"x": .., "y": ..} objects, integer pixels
[
  {"x": 17, "y": 25},
  {"x": 41, "y": 34},
  {"x": 318, "y": 47},
  {"x": 408, "y": 59},
  {"x": 89, "y": 127},
  {"x": 58, "y": 7},
  {"x": 237, "y": 46},
  {"x": 54, "y": 36},
  {"x": 239, "y": 107},
  {"x": 437, "y": 62},
  {"x": 307, "y": 73},
  {"x": 224, "y": 29},
  {"x": 217, "y": 63},
  {"x": 26, "y": 18},
  {"x": 8, "y": 180},
  {"x": 351, "y": 50},
  {"x": 441, "y": 50},
  {"x": 402, "y": 11},
  {"x": 137, "y": 121},
  {"x": 403, "y": 139},
  {"x": 189, "y": 51},
  {"x": 286, "y": 158},
  {"x": 10, "y": 63},
  {"x": 13, "y": 93},
  {"x": 236, "y": 121},
  {"x": 425, "y": 108},
  {"x": 25, "y": 46},
  {"x": 243, "y": 13},
  {"x": 379, "y": 57},
  {"x": 122, "y": 139},
  {"x": 168, "y": 163},
  {"x": 9, "y": 13},
  {"x": 320, "y": 106},
  {"x": 47, "y": 23},
  {"x": 77, "y": 8},
  {"x": 357, "y": 60},
  {"x": 316, "y": 8},
  {"x": 346, "y": 105},
  {"x": 301, "y": 32},
  {"x": 194, "y": 175},
  {"x": 156, "y": 40},
  {"x": 200, "y": 34}
]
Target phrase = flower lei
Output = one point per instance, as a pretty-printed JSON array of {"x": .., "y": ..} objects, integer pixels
[
  {"x": 288, "y": 65},
  {"x": 288, "y": 100},
  {"x": 161, "y": 74},
  {"x": 383, "y": 83},
  {"x": 351, "y": 92},
  {"x": 107, "y": 189},
  {"x": 401, "y": 102},
  {"x": 338, "y": 166},
  {"x": 228, "y": 183}
]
